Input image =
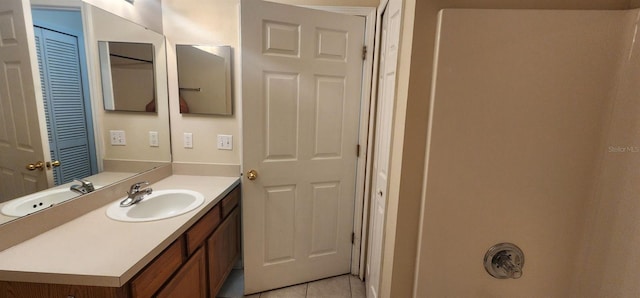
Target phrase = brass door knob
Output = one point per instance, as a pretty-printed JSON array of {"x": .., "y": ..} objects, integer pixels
[
  {"x": 35, "y": 166},
  {"x": 252, "y": 175},
  {"x": 52, "y": 164}
]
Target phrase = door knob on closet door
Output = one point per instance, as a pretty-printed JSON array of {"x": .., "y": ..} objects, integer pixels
[
  {"x": 252, "y": 175},
  {"x": 53, "y": 164}
]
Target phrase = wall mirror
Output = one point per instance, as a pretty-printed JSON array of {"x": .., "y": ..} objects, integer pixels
[
  {"x": 128, "y": 78},
  {"x": 61, "y": 130},
  {"x": 204, "y": 79}
]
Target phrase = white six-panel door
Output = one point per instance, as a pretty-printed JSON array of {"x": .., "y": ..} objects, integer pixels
[
  {"x": 301, "y": 84},
  {"x": 21, "y": 113}
]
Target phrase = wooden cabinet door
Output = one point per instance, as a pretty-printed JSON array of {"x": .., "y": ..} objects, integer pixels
[
  {"x": 223, "y": 247},
  {"x": 191, "y": 279},
  {"x": 156, "y": 274},
  {"x": 234, "y": 237}
]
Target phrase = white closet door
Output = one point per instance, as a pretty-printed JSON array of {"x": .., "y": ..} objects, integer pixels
[{"x": 21, "y": 112}]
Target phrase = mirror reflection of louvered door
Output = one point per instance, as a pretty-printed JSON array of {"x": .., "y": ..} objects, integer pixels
[
  {"x": 62, "y": 89},
  {"x": 21, "y": 140},
  {"x": 301, "y": 88}
]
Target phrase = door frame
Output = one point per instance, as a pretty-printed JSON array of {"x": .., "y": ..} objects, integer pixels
[{"x": 365, "y": 138}]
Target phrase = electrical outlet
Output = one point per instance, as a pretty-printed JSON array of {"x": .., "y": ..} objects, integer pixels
[
  {"x": 153, "y": 139},
  {"x": 188, "y": 140},
  {"x": 225, "y": 142},
  {"x": 118, "y": 138}
]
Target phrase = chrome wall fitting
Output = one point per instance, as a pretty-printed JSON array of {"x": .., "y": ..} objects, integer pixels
[{"x": 504, "y": 260}]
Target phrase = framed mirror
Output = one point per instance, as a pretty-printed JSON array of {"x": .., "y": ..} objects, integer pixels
[
  {"x": 128, "y": 76},
  {"x": 204, "y": 79}
]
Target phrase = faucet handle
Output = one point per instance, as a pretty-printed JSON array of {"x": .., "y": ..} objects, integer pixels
[
  {"x": 84, "y": 182},
  {"x": 85, "y": 185},
  {"x": 136, "y": 187}
]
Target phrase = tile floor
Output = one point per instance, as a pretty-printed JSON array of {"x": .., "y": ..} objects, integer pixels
[{"x": 344, "y": 286}]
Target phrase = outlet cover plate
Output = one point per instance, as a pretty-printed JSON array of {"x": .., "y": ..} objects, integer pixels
[{"x": 118, "y": 138}]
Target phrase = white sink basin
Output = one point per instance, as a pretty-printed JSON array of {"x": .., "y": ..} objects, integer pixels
[
  {"x": 158, "y": 205},
  {"x": 38, "y": 201}
]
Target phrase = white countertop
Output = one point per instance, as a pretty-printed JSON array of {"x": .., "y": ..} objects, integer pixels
[{"x": 98, "y": 251}]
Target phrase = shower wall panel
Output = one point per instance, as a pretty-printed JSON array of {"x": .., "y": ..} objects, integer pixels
[
  {"x": 610, "y": 255},
  {"x": 519, "y": 106}
]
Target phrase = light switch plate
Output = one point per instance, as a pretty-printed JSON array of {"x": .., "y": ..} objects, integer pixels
[
  {"x": 153, "y": 139},
  {"x": 225, "y": 142},
  {"x": 118, "y": 138},
  {"x": 188, "y": 140}
]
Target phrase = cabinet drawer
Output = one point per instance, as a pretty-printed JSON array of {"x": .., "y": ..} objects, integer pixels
[
  {"x": 230, "y": 201},
  {"x": 159, "y": 270},
  {"x": 197, "y": 234}
]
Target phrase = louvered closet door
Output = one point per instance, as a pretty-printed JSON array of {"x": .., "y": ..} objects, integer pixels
[{"x": 61, "y": 79}]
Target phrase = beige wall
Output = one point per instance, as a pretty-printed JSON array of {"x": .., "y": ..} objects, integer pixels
[
  {"x": 202, "y": 23},
  {"x": 514, "y": 145},
  {"x": 609, "y": 263},
  {"x": 143, "y": 12},
  {"x": 106, "y": 27},
  {"x": 211, "y": 23},
  {"x": 411, "y": 118}
]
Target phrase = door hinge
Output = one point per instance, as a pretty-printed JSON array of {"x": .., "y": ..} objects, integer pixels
[
  {"x": 353, "y": 237},
  {"x": 358, "y": 150},
  {"x": 364, "y": 52}
]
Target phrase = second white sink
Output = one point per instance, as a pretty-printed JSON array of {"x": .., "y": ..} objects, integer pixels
[
  {"x": 38, "y": 201},
  {"x": 158, "y": 205}
]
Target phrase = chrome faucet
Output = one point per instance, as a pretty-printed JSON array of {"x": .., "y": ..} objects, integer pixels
[
  {"x": 135, "y": 194},
  {"x": 84, "y": 187}
]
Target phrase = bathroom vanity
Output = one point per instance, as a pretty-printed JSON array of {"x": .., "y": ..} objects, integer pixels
[{"x": 189, "y": 255}]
